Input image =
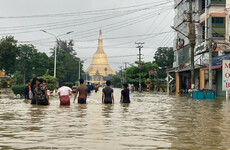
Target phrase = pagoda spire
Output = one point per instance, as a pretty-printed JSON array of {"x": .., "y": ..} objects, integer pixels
[{"x": 100, "y": 43}]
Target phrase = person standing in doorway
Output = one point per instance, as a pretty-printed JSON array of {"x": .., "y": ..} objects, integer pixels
[
  {"x": 125, "y": 94},
  {"x": 63, "y": 93},
  {"x": 81, "y": 91},
  {"x": 89, "y": 86},
  {"x": 107, "y": 94}
]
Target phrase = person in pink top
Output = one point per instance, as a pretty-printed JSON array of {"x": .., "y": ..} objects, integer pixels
[{"x": 63, "y": 93}]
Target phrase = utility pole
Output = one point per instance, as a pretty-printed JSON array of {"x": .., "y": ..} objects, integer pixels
[
  {"x": 210, "y": 65},
  {"x": 191, "y": 41},
  {"x": 121, "y": 75},
  {"x": 209, "y": 47},
  {"x": 139, "y": 46},
  {"x": 125, "y": 70}
]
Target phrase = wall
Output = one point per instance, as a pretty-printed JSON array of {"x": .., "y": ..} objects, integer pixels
[{"x": 227, "y": 4}]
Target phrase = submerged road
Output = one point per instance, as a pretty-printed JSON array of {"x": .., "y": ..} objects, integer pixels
[{"x": 149, "y": 122}]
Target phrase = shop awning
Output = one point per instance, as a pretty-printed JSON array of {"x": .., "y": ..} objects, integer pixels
[{"x": 213, "y": 67}]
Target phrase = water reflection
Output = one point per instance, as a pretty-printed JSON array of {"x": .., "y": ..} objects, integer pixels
[
  {"x": 125, "y": 107},
  {"x": 107, "y": 109},
  {"x": 196, "y": 126},
  {"x": 149, "y": 122},
  {"x": 82, "y": 110}
]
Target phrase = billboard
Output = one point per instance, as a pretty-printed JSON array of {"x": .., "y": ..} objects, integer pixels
[
  {"x": 226, "y": 75},
  {"x": 2, "y": 74}
]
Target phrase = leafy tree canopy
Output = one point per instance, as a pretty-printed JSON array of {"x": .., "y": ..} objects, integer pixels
[{"x": 8, "y": 54}]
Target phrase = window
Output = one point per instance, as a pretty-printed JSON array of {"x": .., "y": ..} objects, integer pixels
[
  {"x": 218, "y": 27},
  {"x": 203, "y": 4},
  {"x": 216, "y": 2}
]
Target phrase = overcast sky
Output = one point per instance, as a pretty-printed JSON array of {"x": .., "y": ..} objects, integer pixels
[{"x": 123, "y": 22}]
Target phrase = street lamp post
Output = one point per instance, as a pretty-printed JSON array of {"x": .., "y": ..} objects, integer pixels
[
  {"x": 55, "y": 49},
  {"x": 79, "y": 68}
]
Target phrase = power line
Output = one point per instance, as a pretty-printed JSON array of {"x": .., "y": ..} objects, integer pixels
[{"x": 79, "y": 13}]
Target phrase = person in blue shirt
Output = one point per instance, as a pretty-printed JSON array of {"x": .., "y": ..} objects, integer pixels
[{"x": 89, "y": 87}]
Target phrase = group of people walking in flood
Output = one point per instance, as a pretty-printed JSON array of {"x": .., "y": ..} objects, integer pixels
[{"x": 38, "y": 92}]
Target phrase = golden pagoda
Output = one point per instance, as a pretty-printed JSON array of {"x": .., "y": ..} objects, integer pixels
[{"x": 99, "y": 66}]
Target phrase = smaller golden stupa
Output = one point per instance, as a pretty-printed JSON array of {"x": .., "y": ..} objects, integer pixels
[{"x": 99, "y": 67}]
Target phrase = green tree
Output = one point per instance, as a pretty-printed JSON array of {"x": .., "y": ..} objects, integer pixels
[
  {"x": 64, "y": 47},
  {"x": 51, "y": 82},
  {"x": 31, "y": 62},
  {"x": 132, "y": 73},
  {"x": 8, "y": 54},
  {"x": 116, "y": 81},
  {"x": 67, "y": 62},
  {"x": 164, "y": 57},
  {"x": 17, "y": 78}
]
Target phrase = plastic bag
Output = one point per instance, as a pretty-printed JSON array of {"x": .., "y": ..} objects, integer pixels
[{"x": 30, "y": 95}]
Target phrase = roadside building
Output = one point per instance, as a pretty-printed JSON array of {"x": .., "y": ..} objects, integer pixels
[{"x": 217, "y": 17}]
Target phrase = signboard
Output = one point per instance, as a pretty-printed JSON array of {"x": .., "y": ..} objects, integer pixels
[
  {"x": 169, "y": 78},
  {"x": 218, "y": 60},
  {"x": 226, "y": 75},
  {"x": 2, "y": 74},
  {"x": 148, "y": 82},
  {"x": 152, "y": 72},
  {"x": 228, "y": 4},
  {"x": 200, "y": 48},
  {"x": 202, "y": 59}
]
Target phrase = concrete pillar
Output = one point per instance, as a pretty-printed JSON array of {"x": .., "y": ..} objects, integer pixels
[
  {"x": 177, "y": 83},
  {"x": 202, "y": 79}
]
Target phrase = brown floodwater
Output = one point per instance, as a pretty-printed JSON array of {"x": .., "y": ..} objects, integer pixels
[{"x": 150, "y": 122}]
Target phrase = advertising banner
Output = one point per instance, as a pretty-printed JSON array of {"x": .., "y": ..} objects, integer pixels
[
  {"x": 226, "y": 75},
  {"x": 2, "y": 74}
]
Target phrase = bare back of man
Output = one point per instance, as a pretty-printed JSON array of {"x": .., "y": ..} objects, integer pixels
[{"x": 81, "y": 91}]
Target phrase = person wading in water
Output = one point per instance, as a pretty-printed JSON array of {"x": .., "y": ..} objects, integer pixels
[
  {"x": 82, "y": 90},
  {"x": 125, "y": 94},
  {"x": 107, "y": 94},
  {"x": 63, "y": 94},
  {"x": 41, "y": 95},
  {"x": 33, "y": 87}
]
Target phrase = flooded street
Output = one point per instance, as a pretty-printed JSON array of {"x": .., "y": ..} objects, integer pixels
[{"x": 149, "y": 122}]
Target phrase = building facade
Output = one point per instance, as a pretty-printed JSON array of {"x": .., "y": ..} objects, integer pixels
[{"x": 210, "y": 24}]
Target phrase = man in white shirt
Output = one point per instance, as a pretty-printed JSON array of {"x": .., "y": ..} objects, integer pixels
[{"x": 63, "y": 93}]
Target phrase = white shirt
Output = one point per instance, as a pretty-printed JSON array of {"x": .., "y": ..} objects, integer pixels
[{"x": 64, "y": 90}]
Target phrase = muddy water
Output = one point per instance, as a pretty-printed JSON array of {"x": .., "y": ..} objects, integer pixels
[{"x": 149, "y": 122}]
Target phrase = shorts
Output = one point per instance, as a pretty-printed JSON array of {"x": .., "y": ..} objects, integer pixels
[
  {"x": 81, "y": 101},
  {"x": 44, "y": 102},
  {"x": 65, "y": 100},
  {"x": 126, "y": 101},
  {"x": 108, "y": 102}
]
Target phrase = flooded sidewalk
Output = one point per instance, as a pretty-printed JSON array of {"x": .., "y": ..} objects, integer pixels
[{"x": 150, "y": 121}]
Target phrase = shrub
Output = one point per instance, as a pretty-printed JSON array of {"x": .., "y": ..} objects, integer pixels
[
  {"x": 18, "y": 89},
  {"x": 51, "y": 82}
]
